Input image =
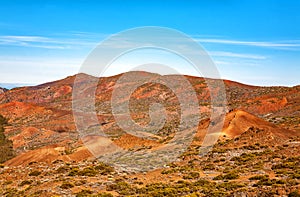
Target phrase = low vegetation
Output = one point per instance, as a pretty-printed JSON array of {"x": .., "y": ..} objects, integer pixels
[
  {"x": 6, "y": 146},
  {"x": 34, "y": 173},
  {"x": 66, "y": 185},
  {"x": 228, "y": 176}
]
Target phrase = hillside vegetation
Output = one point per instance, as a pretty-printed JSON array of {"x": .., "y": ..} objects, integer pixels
[{"x": 6, "y": 146}]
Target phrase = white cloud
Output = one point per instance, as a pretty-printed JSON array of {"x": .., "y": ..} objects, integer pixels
[
  {"x": 75, "y": 39},
  {"x": 288, "y": 44},
  {"x": 218, "y": 62},
  {"x": 47, "y": 42},
  {"x": 236, "y": 55},
  {"x": 18, "y": 69},
  {"x": 25, "y": 38}
]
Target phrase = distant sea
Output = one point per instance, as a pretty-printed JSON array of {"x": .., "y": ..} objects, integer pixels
[{"x": 14, "y": 85}]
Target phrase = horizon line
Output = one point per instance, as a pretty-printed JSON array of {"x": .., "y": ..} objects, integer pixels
[{"x": 10, "y": 86}]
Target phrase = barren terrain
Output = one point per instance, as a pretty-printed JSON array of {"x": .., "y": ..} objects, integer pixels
[{"x": 257, "y": 153}]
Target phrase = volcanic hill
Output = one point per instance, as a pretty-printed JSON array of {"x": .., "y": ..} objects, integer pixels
[{"x": 257, "y": 153}]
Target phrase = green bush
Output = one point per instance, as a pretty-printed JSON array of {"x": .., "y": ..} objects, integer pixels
[
  {"x": 202, "y": 182},
  {"x": 282, "y": 165},
  {"x": 259, "y": 177},
  {"x": 294, "y": 194},
  {"x": 104, "y": 169},
  {"x": 251, "y": 147},
  {"x": 88, "y": 171},
  {"x": 192, "y": 175},
  {"x": 229, "y": 176},
  {"x": 244, "y": 158},
  {"x": 230, "y": 186},
  {"x": 168, "y": 171},
  {"x": 66, "y": 185},
  {"x": 74, "y": 171},
  {"x": 104, "y": 195},
  {"x": 122, "y": 188},
  {"x": 25, "y": 182},
  {"x": 11, "y": 192},
  {"x": 269, "y": 182},
  {"x": 219, "y": 150},
  {"x": 7, "y": 182},
  {"x": 34, "y": 173},
  {"x": 84, "y": 193},
  {"x": 209, "y": 167},
  {"x": 295, "y": 175}
]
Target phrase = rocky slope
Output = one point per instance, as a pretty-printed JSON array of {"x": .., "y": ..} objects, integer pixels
[
  {"x": 2, "y": 90},
  {"x": 257, "y": 151}
]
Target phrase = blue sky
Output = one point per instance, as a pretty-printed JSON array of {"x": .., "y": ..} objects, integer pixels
[{"x": 253, "y": 42}]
